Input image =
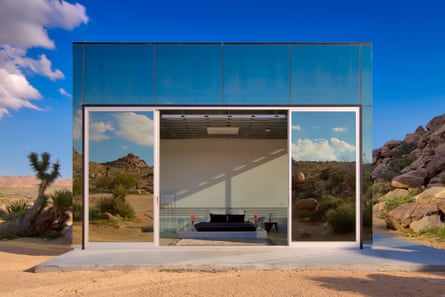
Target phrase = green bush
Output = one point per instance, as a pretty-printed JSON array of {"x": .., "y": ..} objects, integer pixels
[
  {"x": 9, "y": 230},
  {"x": 327, "y": 203},
  {"x": 124, "y": 209},
  {"x": 94, "y": 213},
  {"x": 116, "y": 207},
  {"x": 15, "y": 211},
  {"x": 394, "y": 202},
  {"x": 106, "y": 205},
  {"x": 342, "y": 219}
]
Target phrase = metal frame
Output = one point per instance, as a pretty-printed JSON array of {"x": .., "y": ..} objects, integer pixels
[
  {"x": 358, "y": 178},
  {"x": 85, "y": 192},
  {"x": 156, "y": 183}
]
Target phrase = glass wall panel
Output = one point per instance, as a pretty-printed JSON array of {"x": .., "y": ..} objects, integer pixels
[
  {"x": 188, "y": 74},
  {"x": 77, "y": 175},
  {"x": 325, "y": 74},
  {"x": 256, "y": 74},
  {"x": 120, "y": 176},
  {"x": 324, "y": 203},
  {"x": 367, "y": 75},
  {"x": 77, "y": 74},
  {"x": 367, "y": 173},
  {"x": 118, "y": 74}
]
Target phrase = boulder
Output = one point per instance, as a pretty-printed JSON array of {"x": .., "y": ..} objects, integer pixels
[
  {"x": 416, "y": 136},
  {"x": 435, "y": 123},
  {"x": 437, "y": 162},
  {"x": 426, "y": 223},
  {"x": 304, "y": 208},
  {"x": 430, "y": 193},
  {"x": 308, "y": 204},
  {"x": 439, "y": 203},
  {"x": 402, "y": 216},
  {"x": 386, "y": 152},
  {"x": 409, "y": 180},
  {"x": 392, "y": 144}
]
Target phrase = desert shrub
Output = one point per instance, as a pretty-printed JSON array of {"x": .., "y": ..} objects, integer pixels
[
  {"x": 124, "y": 209},
  {"x": 9, "y": 230},
  {"x": 394, "y": 202},
  {"x": 105, "y": 205},
  {"x": 380, "y": 188},
  {"x": 15, "y": 210},
  {"x": 438, "y": 233},
  {"x": 327, "y": 203},
  {"x": 342, "y": 219},
  {"x": 94, "y": 213},
  {"x": 115, "y": 207}
]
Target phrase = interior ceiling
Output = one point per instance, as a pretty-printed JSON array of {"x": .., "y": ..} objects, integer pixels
[{"x": 251, "y": 123}]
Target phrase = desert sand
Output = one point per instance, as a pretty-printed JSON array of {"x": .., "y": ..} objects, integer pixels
[{"x": 18, "y": 257}]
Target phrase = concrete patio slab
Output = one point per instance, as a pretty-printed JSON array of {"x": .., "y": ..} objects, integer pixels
[{"x": 386, "y": 254}]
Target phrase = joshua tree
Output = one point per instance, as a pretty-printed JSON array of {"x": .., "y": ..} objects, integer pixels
[{"x": 41, "y": 169}]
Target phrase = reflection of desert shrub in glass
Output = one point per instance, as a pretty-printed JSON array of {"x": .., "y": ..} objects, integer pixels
[
  {"x": 342, "y": 219},
  {"x": 115, "y": 207},
  {"x": 327, "y": 203}
]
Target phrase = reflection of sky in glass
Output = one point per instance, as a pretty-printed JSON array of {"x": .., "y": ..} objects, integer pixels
[
  {"x": 326, "y": 74},
  {"x": 119, "y": 74},
  {"x": 188, "y": 74},
  {"x": 116, "y": 134},
  {"x": 323, "y": 136},
  {"x": 256, "y": 74}
]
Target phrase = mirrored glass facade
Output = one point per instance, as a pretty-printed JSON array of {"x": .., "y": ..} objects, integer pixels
[{"x": 224, "y": 129}]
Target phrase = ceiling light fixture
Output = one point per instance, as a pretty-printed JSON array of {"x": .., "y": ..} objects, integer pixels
[{"x": 223, "y": 130}]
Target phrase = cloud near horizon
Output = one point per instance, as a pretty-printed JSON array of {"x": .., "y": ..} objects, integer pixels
[
  {"x": 27, "y": 22},
  {"x": 320, "y": 149}
]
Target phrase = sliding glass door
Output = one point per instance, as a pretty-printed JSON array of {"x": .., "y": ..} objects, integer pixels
[
  {"x": 119, "y": 175},
  {"x": 325, "y": 168}
]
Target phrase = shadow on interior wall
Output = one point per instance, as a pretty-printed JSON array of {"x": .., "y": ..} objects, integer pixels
[{"x": 226, "y": 177}]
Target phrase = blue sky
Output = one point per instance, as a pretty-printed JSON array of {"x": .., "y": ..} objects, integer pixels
[{"x": 36, "y": 55}]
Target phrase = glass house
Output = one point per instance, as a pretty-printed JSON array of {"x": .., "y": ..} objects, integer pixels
[{"x": 222, "y": 143}]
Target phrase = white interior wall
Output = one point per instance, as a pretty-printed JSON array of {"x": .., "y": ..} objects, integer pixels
[{"x": 224, "y": 173}]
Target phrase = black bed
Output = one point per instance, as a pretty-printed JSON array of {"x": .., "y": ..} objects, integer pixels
[{"x": 225, "y": 223}]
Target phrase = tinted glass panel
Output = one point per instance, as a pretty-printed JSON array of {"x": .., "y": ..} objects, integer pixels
[
  {"x": 120, "y": 176},
  {"x": 118, "y": 74},
  {"x": 187, "y": 74},
  {"x": 77, "y": 175},
  {"x": 325, "y": 74},
  {"x": 256, "y": 74},
  {"x": 77, "y": 74},
  {"x": 323, "y": 176},
  {"x": 367, "y": 75}
]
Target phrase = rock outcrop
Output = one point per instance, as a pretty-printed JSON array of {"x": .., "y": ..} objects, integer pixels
[{"x": 417, "y": 161}]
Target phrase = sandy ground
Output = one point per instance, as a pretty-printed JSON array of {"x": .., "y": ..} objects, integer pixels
[{"x": 18, "y": 257}]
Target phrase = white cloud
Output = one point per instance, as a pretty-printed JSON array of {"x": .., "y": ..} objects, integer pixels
[
  {"x": 341, "y": 145},
  {"x": 313, "y": 150},
  {"x": 63, "y": 92},
  {"x": 320, "y": 149},
  {"x": 296, "y": 127},
  {"x": 339, "y": 129},
  {"x": 98, "y": 131},
  {"x": 27, "y": 22},
  {"x": 136, "y": 128}
]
